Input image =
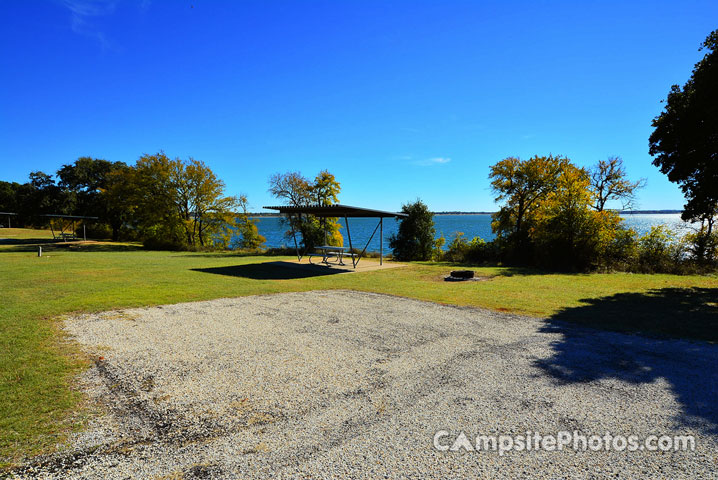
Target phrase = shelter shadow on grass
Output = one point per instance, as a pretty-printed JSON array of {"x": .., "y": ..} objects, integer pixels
[
  {"x": 691, "y": 368},
  {"x": 270, "y": 271}
]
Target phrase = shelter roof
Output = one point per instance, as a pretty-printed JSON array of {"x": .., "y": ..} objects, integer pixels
[
  {"x": 71, "y": 217},
  {"x": 336, "y": 210}
]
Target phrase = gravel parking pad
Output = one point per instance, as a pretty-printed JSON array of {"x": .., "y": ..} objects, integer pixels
[{"x": 343, "y": 384}]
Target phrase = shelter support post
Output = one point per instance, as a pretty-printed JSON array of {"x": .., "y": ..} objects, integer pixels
[
  {"x": 367, "y": 243},
  {"x": 294, "y": 235},
  {"x": 381, "y": 240},
  {"x": 349, "y": 234}
]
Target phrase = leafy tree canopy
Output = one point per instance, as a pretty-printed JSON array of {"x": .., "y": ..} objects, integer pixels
[
  {"x": 685, "y": 137},
  {"x": 520, "y": 186},
  {"x": 181, "y": 202},
  {"x": 87, "y": 174}
]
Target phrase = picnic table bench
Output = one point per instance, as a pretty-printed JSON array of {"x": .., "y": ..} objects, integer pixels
[{"x": 330, "y": 251}]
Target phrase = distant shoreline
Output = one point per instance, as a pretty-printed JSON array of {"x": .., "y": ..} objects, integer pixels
[{"x": 623, "y": 212}]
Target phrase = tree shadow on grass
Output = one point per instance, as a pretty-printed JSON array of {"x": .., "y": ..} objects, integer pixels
[
  {"x": 58, "y": 246},
  {"x": 233, "y": 253},
  {"x": 503, "y": 270},
  {"x": 26, "y": 241},
  {"x": 690, "y": 367},
  {"x": 271, "y": 271}
]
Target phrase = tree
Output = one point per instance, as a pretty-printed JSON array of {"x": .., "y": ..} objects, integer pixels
[
  {"x": 549, "y": 218},
  {"x": 24, "y": 199},
  {"x": 180, "y": 203},
  {"x": 685, "y": 137},
  {"x": 298, "y": 191},
  {"x": 120, "y": 202},
  {"x": 521, "y": 185},
  {"x": 87, "y": 174},
  {"x": 199, "y": 198},
  {"x": 291, "y": 187},
  {"x": 41, "y": 180},
  {"x": 609, "y": 182},
  {"x": 156, "y": 219},
  {"x": 325, "y": 191},
  {"x": 43, "y": 196},
  {"x": 8, "y": 196},
  {"x": 415, "y": 239},
  {"x": 569, "y": 234},
  {"x": 250, "y": 238},
  {"x": 88, "y": 180}
]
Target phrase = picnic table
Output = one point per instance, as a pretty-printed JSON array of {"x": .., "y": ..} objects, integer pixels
[{"x": 330, "y": 251}]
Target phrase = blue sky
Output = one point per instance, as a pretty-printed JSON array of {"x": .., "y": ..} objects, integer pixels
[{"x": 398, "y": 99}]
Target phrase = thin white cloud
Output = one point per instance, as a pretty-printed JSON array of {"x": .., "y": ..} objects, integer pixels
[
  {"x": 83, "y": 12},
  {"x": 432, "y": 161}
]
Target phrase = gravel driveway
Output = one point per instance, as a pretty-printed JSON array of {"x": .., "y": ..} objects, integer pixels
[{"x": 343, "y": 384}]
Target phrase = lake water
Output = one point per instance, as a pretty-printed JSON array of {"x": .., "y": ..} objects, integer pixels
[{"x": 472, "y": 226}]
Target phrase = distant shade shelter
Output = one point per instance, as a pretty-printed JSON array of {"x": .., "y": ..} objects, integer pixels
[
  {"x": 67, "y": 222},
  {"x": 339, "y": 211},
  {"x": 8, "y": 215}
]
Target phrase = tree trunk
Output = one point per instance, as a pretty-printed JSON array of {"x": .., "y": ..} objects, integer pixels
[{"x": 519, "y": 215}]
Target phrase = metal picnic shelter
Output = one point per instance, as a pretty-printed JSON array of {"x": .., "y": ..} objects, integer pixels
[
  {"x": 8, "y": 215},
  {"x": 70, "y": 226},
  {"x": 339, "y": 211}
]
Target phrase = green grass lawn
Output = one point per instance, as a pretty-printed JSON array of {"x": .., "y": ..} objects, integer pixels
[
  {"x": 38, "y": 364},
  {"x": 10, "y": 234}
]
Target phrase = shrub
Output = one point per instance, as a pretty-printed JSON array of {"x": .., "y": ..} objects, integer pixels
[
  {"x": 96, "y": 231},
  {"x": 620, "y": 250},
  {"x": 156, "y": 243},
  {"x": 249, "y": 239},
  {"x": 477, "y": 250},
  {"x": 438, "y": 253},
  {"x": 163, "y": 237},
  {"x": 456, "y": 251},
  {"x": 480, "y": 251},
  {"x": 703, "y": 246},
  {"x": 660, "y": 250}
]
